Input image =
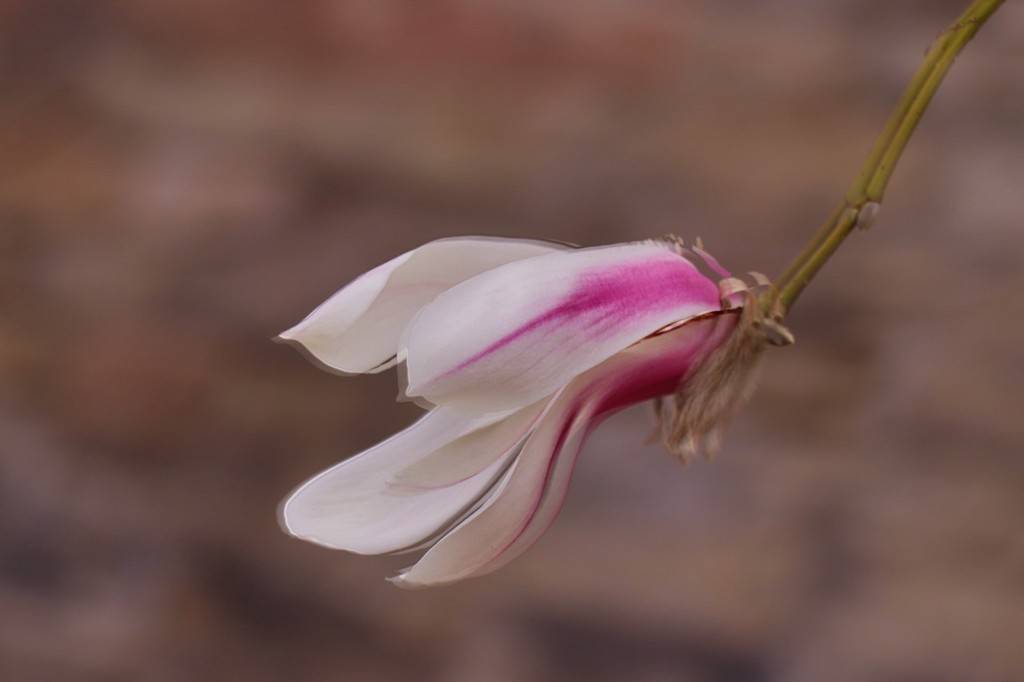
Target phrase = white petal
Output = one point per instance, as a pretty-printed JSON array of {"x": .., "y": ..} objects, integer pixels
[
  {"x": 531, "y": 494},
  {"x": 470, "y": 454},
  {"x": 355, "y": 506},
  {"x": 358, "y": 328},
  {"x": 490, "y": 531},
  {"x": 511, "y": 335}
]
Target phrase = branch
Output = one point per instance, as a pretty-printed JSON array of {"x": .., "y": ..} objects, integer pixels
[{"x": 862, "y": 201}]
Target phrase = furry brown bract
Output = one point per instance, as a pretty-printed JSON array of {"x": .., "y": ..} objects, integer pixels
[{"x": 691, "y": 420}]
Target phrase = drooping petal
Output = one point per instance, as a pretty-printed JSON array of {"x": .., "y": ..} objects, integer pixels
[
  {"x": 511, "y": 335},
  {"x": 470, "y": 454},
  {"x": 358, "y": 328},
  {"x": 531, "y": 494},
  {"x": 359, "y": 506}
]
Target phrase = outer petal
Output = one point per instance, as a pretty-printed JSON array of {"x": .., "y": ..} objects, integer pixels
[
  {"x": 530, "y": 496},
  {"x": 509, "y": 336},
  {"x": 358, "y": 506},
  {"x": 358, "y": 328}
]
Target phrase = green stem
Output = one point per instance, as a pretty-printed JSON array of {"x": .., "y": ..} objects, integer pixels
[{"x": 863, "y": 199}]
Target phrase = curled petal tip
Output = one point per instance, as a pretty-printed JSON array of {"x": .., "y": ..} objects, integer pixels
[
  {"x": 401, "y": 580},
  {"x": 760, "y": 279}
]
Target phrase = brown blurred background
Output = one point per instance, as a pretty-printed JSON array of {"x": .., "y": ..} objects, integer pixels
[{"x": 183, "y": 179}]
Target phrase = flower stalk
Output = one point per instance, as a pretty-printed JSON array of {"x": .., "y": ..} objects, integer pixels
[{"x": 863, "y": 200}]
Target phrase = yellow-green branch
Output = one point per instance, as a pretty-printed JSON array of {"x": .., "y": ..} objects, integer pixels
[{"x": 863, "y": 199}]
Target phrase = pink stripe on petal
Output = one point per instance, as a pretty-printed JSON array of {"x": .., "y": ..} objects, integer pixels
[
  {"x": 533, "y": 494},
  {"x": 512, "y": 335},
  {"x": 605, "y": 298},
  {"x": 650, "y": 379}
]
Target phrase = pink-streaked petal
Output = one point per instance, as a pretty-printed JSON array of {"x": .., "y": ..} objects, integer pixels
[
  {"x": 509, "y": 336},
  {"x": 359, "y": 327},
  {"x": 354, "y": 506},
  {"x": 530, "y": 496}
]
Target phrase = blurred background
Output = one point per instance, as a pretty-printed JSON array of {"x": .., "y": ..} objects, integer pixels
[{"x": 183, "y": 179}]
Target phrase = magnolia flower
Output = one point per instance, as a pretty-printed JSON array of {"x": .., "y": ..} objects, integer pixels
[{"x": 518, "y": 349}]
